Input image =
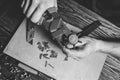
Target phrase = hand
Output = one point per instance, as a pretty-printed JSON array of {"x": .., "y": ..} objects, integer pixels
[
  {"x": 84, "y": 47},
  {"x": 34, "y": 9}
]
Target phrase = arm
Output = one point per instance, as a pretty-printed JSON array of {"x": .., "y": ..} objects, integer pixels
[
  {"x": 112, "y": 48},
  {"x": 89, "y": 45}
]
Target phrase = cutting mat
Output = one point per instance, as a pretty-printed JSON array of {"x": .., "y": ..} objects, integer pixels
[{"x": 88, "y": 68}]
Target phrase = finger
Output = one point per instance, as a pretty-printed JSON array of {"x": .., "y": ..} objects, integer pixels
[
  {"x": 84, "y": 40},
  {"x": 69, "y": 46},
  {"x": 68, "y": 51},
  {"x": 72, "y": 53},
  {"x": 55, "y": 3},
  {"x": 23, "y": 2},
  {"x": 26, "y": 6},
  {"x": 75, "y": 53},
  {"x": 32, "y": 9},
  {"x": 38, "y": 14},
  {"x": 79, "y": 44}
]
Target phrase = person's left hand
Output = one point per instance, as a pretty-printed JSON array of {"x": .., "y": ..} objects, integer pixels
[
  {"x": 85, "y": 47},
  {"x": 34, "y": 9}
]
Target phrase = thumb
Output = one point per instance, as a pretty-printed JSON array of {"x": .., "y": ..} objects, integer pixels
[
  {"x": 38, "y": 14},
  {"x": 85, "y": 40}
]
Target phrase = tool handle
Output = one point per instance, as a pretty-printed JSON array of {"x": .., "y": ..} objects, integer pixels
[{"x": 90, "y": 28}]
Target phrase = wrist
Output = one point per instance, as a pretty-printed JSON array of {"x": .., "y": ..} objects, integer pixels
[{"x": 101, "y": 46}]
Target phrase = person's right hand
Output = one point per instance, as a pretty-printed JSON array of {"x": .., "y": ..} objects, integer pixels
[
  {"x": 34, "y": 9},
  {"x": 85, "y": 47}
]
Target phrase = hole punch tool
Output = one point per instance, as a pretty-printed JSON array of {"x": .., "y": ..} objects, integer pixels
[
  {"x": 53, "y": 23},
  {"x": 60, "y": 32}
]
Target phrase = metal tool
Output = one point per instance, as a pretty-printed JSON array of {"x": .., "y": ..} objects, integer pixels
[
  {"x": 73, "y": 39},
  {"x": 61, "y": 33},
  {"x": 53, "y": 23}
]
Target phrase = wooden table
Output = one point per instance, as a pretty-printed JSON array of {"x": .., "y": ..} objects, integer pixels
[{"x": 85, "y": 69}]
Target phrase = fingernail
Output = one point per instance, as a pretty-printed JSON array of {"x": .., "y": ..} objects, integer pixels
[
  {"x": 78, "y": 44},
  {"x": 40, "y": 21},
  {"x": 69, "y": 46}
]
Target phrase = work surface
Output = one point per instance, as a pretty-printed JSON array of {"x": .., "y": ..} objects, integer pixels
[{"x": 84, "y": 69}]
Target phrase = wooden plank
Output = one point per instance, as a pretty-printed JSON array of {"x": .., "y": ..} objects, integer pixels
[
  {"x": 85, "y": 69},
  {"x": 80, "y": 16}
]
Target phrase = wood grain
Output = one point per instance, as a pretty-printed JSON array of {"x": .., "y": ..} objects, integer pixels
[{"x": 79, "y": 16}]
